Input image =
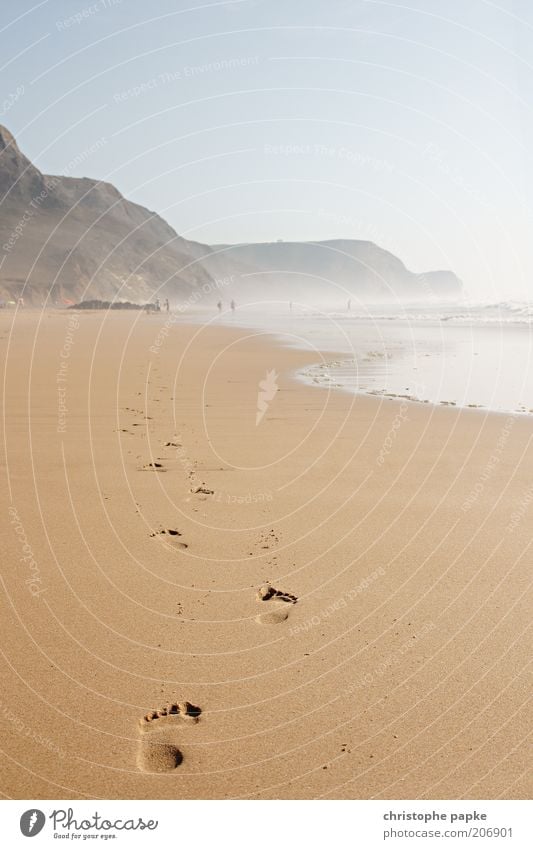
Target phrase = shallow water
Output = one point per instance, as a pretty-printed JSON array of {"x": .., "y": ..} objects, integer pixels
[{"x": 467, "y": 356}]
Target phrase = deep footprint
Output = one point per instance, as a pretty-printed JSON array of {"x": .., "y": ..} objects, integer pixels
[
  {"x": 279, "y": 612},
  {"x": 266, "y": 593},
  {"x": 158, "y": 751},
  {"x": 158, "y": 756},
  {"x": 172, "y": 532}
]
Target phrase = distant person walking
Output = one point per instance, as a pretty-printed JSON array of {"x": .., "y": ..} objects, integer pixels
[
  {"x": 219, "y": 306},
  {"x": 167, "y": 305},
  {"x": 290, "y": 306},
  {"x": 233, "y": 306},
  {"x": 158, "y": 305},
  {"x": 349, "y": 306}
]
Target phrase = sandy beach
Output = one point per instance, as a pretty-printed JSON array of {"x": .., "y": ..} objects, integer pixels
[{"x": 214, "y": 588}]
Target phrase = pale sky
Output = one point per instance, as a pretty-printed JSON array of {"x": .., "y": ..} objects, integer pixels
[{"x": 408, "y": 124}]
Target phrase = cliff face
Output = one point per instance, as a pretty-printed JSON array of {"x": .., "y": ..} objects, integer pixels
[
  {"x": 18, "y": 176},
  {"x": 326, "y": 271},
  {"x": 329, "y": 270},
  {"x": 64, "y": 238},
  {"x": 68, "y": 238}
]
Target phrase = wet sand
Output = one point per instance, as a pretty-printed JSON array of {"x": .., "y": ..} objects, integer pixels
[{"x": 214, "y": 588}]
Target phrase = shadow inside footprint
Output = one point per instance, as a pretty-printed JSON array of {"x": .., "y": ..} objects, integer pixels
[
  {"x": 279, "y": 612},
  {"x": 158, "y": 751},
  {"x": 172, "y": 532},
  {"x": 202, "y": 490}
]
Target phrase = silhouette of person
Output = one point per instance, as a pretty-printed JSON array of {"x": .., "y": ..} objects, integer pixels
[
  {"x": 167, "y": 305},
  {"x": 233, "y": 305},
  {"x": 219, "y": 305}
]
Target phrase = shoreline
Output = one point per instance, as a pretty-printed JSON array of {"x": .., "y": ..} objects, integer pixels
[
  {"x": 311, "y": 374},
  {"x": 390, "y": 656},
  {"x": 298, "y": 376}
]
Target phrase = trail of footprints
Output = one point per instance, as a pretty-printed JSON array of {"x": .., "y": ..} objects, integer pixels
[{"x": 159, "y": 744}]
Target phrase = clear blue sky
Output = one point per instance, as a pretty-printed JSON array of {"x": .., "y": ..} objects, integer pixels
[{"x": 409, "y": 124}]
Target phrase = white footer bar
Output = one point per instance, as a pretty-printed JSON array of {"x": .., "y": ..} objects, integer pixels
[{"x": 263, "y": 824}]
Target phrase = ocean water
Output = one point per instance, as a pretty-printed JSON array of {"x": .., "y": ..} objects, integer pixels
[{"x": 467, "y": 355}]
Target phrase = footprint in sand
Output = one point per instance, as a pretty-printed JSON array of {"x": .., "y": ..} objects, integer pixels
[
  {"x": 158, "y": 747},
  {"x": 173, "y": 536},
  {"x": 202, "y": 490},
  {"x": 153, "y": 467},
  {"x": 279, "y": 611}
]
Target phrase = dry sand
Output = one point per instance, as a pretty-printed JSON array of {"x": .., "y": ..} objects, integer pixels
[{"x": 385, "y": 655}]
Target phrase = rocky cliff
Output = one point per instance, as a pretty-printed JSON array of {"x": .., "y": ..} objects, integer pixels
[{"x": 65, "y": 239}]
